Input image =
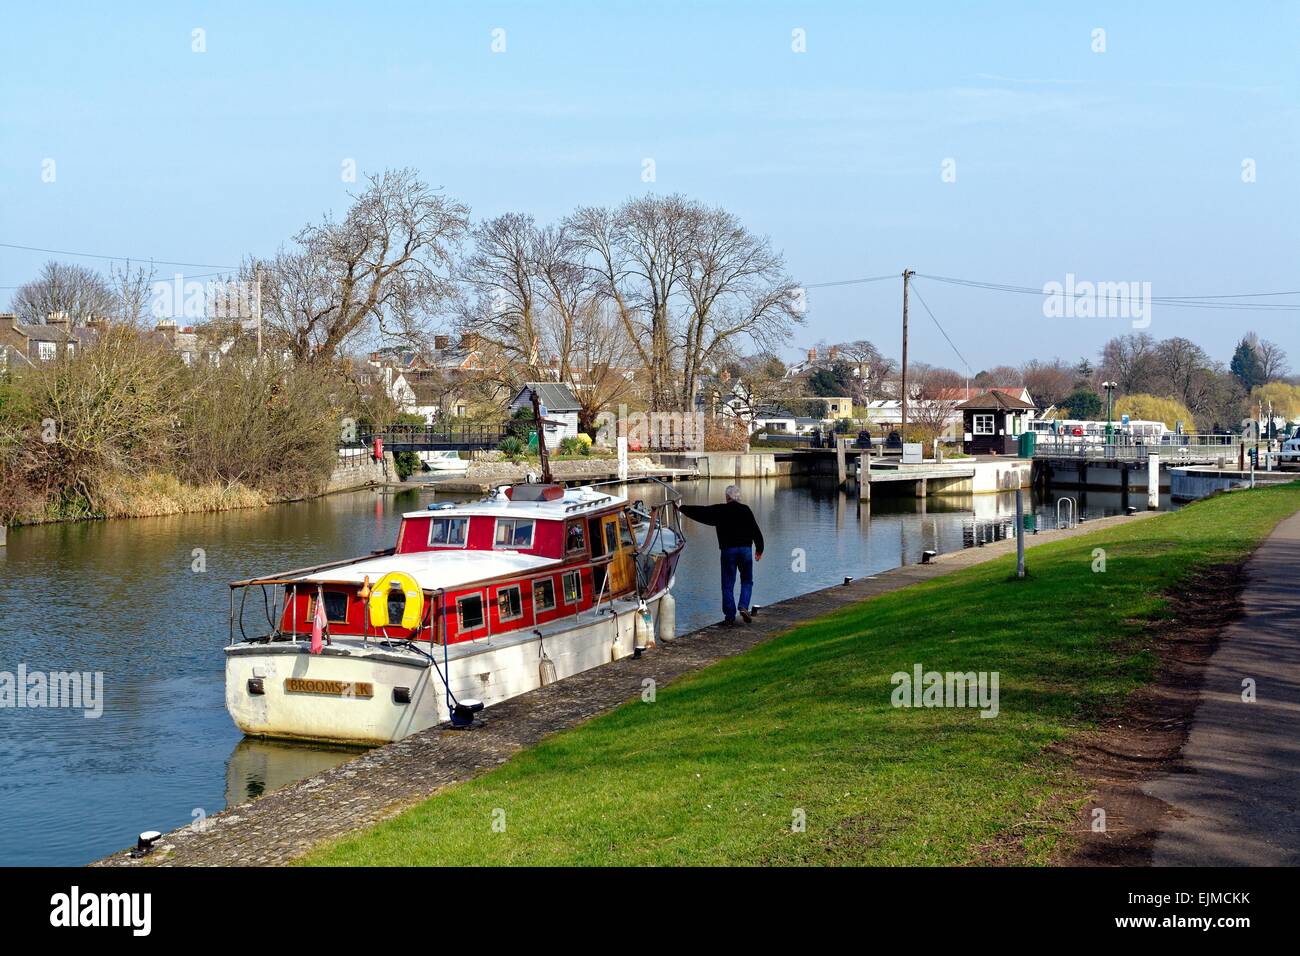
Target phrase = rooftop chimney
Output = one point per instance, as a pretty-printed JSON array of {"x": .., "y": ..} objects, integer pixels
[
  {"x": 57, "y": 319},
  {"x": 812, "y": 355},
  {"x": 441, "y": 342},
  {"x": 835, "y": 352}
]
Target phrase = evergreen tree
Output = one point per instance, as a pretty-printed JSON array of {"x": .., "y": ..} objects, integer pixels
[
  {"x": 1084, "y": 403},
  {"x": 1246, "y": 367}
]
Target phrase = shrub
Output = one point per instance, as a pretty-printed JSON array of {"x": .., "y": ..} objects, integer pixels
[
  {"x": 520, "y": 424},
  {"x": 722, "y": 434},
  {"x": 1152, "y": 408},
  {"x": 407, "y": 463},
  {"x": 511, "y": 446},
  {"x": 266, "y": 425}
]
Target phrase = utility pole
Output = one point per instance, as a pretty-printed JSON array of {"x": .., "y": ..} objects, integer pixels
[{"x": 902, "y": 430}]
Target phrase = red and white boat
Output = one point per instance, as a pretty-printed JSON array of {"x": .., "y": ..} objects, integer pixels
[{"x": 476, "y": 603}]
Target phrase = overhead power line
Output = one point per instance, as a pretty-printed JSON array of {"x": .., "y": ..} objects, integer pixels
[
  {"x": 92, "y": 255},
  {"x": 956, "y": 351},
  {"x": 827, "y": 285},
  {"x": 1178, "y": 301}
]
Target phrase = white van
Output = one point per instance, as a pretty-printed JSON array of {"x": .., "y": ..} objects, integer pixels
[{"x": 1290, "y": 449}]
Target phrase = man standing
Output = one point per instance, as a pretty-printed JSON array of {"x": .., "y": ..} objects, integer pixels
[{"x": 740, "y": 543}]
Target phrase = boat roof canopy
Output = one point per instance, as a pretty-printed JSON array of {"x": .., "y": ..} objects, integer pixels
[{"x": 528, "y": 501}]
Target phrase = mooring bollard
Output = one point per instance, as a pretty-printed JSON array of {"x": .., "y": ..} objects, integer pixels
[
  {"x": 4, "y": 532},
  {"x": 1153, "y": 481}
]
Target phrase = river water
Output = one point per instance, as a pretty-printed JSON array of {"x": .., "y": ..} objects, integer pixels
[{"x": 145, "y": 601}]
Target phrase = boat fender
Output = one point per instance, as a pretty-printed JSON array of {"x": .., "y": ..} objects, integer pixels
[
  {"x": 642, "y": 632},
  {"x": 411, "y": 614},
  {"x": 545, "y": 666},
  {"x": 667, "y": 618}
]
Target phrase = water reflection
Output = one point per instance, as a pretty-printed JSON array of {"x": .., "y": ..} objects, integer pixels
[{"x": 259, "y": 766}]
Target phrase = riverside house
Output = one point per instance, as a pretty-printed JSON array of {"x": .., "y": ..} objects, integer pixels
[{"x": 39, "y": 343}]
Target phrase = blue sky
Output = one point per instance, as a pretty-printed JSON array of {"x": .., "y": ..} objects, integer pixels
[{"x": 1120, "y": 165}]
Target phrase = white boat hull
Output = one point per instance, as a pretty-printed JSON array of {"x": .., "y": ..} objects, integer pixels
[{"x": 491, "y": 669}]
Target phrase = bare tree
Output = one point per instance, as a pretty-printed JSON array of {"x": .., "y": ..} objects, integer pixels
[
  {"x": 1177, "y": 362},
  {"x": 1130, "y": 361},
  {"x": 735, "y": 288},
  {"x": 572, "y": 304},
  {"x": 872, "y": 367},
  {"x": 931, "y": 389},
  {"x": 132, "y": 290},
  {"x": 1048, "y": 382},
  {"x": 761, "y": 382},
  {"x": 638, "y": 255},
  {"x": 73, "y": 290},
  {"x": 599, "y": 364},
  {"x": 385, "y": 269},
  {"x": 504, "y": 309},
  {"x": 1272, "y": 360}
]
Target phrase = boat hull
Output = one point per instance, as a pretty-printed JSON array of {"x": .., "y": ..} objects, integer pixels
[{"x": 347, "y": 694}]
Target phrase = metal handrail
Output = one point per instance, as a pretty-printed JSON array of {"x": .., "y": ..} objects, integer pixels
[
  {"x": 1073, "y": 513},
  {"x": 1122, "y": 447}
]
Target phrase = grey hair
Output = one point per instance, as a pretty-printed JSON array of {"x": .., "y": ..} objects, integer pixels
[{"x": 732, "y": 493}]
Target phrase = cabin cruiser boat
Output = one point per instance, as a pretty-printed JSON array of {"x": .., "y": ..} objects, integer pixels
[
  {"x": 476, "y": 603},
  {"x": 444, "y": 461}
]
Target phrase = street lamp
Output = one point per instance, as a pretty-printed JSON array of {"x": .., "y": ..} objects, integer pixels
[{"x": 1110, "y": 395}]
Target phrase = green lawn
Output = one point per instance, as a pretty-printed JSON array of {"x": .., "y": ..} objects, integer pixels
[{"x": 714, "y": 770}]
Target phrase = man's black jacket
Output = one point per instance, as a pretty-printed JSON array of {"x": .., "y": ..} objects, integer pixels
[{"x": 733, "y": 521}]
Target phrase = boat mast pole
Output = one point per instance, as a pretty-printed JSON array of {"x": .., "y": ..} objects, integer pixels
[{"x": 541, "y": 439}]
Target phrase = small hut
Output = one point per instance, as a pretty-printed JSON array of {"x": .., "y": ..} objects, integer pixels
[{"x": 992, "y": 423}]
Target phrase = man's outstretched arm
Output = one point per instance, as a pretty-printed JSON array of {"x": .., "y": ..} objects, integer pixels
[{"x": 704, "y": 514}]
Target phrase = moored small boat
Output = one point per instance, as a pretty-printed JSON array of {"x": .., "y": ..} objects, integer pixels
[
  {"x": 475, "y": 604},
  {"x": 444, "y": 461}
]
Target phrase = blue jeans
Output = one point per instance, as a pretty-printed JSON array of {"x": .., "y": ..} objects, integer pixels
[{"x": 733, "y": 560}]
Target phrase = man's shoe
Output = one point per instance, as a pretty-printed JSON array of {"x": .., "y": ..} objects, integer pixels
[
  {"x": 744, "y": 612},
  {"x": 728, "y": 622}
]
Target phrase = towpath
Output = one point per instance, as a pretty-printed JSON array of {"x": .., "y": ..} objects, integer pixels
[{"x": 1236, "y": 791}]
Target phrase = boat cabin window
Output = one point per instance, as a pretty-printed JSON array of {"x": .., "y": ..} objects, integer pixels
[
  {"x": 572, "y": 587},
  {"x": 510, "y": 605},
  {"x": 543, "y": 595},
  {"x": 514, "y": 533},
  {"x": 469, "y": 612},
  {"x": 575, "y": 538},
  {"x": 597, "y": 538},
  {"x": 611, "y": 537},
  {"x": 448, "y": 532},
  {"x": 983, "y": 424},
  {"x": 336, "y": 607},
  {"x": 625, "y": 531}
]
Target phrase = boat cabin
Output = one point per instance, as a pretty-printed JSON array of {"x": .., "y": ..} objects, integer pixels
[{"x": 523, "y": 557}]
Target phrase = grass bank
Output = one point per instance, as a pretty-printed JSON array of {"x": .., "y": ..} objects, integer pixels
[{"x": 719, "y": 766}]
